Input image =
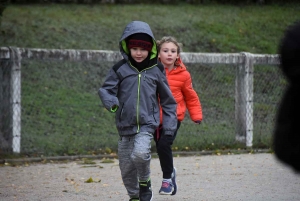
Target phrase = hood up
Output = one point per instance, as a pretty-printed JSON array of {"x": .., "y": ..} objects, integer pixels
[{"x": 133, "y": 28}]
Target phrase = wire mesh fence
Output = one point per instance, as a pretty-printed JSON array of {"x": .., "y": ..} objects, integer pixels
[
  {"x": 61, "y": 113},
  {"x": 5, "y": 117}
]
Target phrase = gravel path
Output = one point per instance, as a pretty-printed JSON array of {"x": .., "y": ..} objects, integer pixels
[{"x": 253, "y": 177}]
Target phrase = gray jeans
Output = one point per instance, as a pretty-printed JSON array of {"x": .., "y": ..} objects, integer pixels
[{"x": 134, "y": 154}]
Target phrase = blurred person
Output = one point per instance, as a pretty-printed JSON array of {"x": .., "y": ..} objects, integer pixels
[
  {"x": 286, "y": 142},
  {"x": 180, "y": 83},
  {"x": 133, "y": 89}
]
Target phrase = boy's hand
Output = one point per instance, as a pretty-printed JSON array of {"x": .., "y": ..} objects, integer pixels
[{"x": 114, "y": 108}]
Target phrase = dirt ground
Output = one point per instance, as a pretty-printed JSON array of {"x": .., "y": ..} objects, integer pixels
[{"x": 246, "y": 177}]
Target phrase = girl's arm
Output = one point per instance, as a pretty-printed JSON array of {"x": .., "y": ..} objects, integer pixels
[{"x": 192, "y": 100}]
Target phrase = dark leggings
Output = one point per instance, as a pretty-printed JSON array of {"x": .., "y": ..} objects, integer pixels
[{"x": 164, "y": 151}]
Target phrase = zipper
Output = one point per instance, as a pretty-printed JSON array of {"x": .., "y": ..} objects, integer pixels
[{"x": 138, "y": 105}]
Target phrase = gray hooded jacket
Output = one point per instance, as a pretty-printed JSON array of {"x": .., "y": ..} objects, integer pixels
[{"x": 137, "y": 94}]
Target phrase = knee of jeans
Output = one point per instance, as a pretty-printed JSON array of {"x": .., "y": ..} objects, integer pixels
[{"x": 140, "y": 156}]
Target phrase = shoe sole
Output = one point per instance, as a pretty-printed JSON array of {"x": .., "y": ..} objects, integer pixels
[
  {"x": 164, "y": 193},
  {"x": 175, "y": 186}
]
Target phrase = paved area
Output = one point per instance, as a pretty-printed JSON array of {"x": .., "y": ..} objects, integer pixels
[{"x": 245, "y": 177}]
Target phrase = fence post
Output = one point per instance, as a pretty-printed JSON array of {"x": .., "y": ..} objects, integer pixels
[
  {"x": 16, "y": 99},
  {"x": 244, "y": 100}
]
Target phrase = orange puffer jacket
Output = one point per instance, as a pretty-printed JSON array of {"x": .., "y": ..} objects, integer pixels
[{"x": 180, "y": 82}]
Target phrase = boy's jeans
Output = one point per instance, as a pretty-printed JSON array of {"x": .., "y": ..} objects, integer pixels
[{"x": 134, "y": 154}]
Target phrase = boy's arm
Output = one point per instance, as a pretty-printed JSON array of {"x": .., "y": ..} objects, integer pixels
[
  {"x": 168, "y": 105},
  {"x": 108, "y": 91}
]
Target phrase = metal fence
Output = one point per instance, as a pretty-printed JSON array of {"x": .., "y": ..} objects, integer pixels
[{"x": 62, "y": 114}]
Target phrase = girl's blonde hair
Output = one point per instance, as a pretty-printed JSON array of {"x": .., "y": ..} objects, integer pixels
[{"x": 168, "y": 39}]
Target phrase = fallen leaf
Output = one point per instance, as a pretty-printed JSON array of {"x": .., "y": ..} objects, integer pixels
[{"x": 90, "y": 180}]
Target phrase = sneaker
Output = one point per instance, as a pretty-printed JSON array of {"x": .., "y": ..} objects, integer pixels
[
  {"x": 167, "y": 188},
  {"x": 146, "y": 193},
  {"x": 174, "y": 181},
  {"x": 134, "y": 199}
]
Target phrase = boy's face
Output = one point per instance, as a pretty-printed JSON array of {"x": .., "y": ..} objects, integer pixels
[{"x": 138, "y": 54}]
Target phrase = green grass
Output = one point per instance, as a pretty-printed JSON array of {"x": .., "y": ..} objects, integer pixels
[
  {"x": 61, "y": 111},
  {"x": 201, "y": 28}
]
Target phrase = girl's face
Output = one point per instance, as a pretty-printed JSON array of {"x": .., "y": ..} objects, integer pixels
[
  {"x": 168, "y": 54},
  {"x": 138, "y": 54}
]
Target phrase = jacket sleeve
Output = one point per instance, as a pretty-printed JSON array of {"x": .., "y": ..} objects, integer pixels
[
  {"x": 191, "y": 99},
  {"x": 109, "y": 90},
  {"x": 168, "y": 105}
]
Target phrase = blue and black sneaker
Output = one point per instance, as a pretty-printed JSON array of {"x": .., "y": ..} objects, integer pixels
[
  {"x": 146, "y": 193},
  {"x": 167, "y": 188}
]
